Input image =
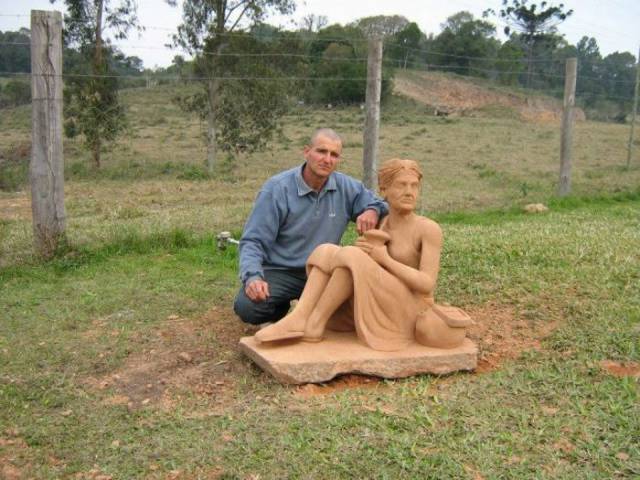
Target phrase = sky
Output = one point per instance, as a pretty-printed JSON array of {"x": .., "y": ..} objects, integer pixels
[{"x": 614, "y": 23}]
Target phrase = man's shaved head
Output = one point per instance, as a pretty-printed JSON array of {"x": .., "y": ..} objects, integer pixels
[{"x": 327, "y": 133}]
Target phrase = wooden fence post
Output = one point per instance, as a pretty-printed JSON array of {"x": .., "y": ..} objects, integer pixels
[
  {"x": 634, "y": 112},
  {"x": 46, "y": 169},
  {"x": 372, "y": 119},
  {"x": 567, "y": 126}
]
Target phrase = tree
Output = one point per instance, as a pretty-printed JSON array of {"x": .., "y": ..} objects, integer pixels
[
  {"x": 462, "y": 38},
  {"x": 14, "y": 51},
  {"x": 532, "y": 22},
  {"x": 618, "y": 79},
  {"x": 312, "y": 23},
  {"x": 206, "y": 33},
  {"x": 381, "y": 25},
  {"x": 91, "y": 96},
  {"x": 589, "y": 83},
  {"x": 404, "y": 45},
  {"x": 339, "y": 67}
]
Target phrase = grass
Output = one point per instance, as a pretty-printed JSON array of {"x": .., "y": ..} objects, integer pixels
[
  {"x": 548, "y": 413},
  {"x": 119, "y": 357}
]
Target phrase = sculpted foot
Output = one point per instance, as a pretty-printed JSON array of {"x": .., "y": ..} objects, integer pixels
[{"x": 288, "y": 328}]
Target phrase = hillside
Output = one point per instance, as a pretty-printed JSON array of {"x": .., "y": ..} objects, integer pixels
[{"x": 458, "y": 95}]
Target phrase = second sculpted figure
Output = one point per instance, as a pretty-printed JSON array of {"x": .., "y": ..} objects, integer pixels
[{"x": 383, "y": 287}]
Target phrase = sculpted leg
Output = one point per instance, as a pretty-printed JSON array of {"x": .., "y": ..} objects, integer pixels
[
  {"x": 293, "y": 325},
  {"x": 338, "y": 290}
]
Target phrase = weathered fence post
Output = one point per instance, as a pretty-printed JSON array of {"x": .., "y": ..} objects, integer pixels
[
  {"x": 567, "y": 126},
  {"x": 372, "y": 120},
  {"x": 634, "y": 112},
  {"x": 46, "y": 169}
]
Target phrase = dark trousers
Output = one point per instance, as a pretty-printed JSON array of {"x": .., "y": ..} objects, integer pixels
[{"x": 284, "y": 286}]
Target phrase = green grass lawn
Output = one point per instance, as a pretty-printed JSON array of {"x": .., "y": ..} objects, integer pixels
[
  {"x": 93, "y": 382},
  {"x": 118, "y": 358}
]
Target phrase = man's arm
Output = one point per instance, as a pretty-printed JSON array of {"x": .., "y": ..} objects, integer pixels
[
  {"x": 260, "y": 232},
  {"x": 367, "y": 209}
]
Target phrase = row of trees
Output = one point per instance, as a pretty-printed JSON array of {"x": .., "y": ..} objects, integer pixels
[
  {"x": 533, "y": 56},
  {"x": 247, "y": 73}
]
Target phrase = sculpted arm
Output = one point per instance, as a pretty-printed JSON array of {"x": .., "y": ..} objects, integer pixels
[{"x": 421, "y": 280}]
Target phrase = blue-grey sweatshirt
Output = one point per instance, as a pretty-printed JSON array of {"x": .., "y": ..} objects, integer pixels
[{"x": 289, "y": 219}]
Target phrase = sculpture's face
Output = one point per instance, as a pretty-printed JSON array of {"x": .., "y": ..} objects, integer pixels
[
  {"x": 403, "y": 192},
  {"x": 323, "y": 156}
]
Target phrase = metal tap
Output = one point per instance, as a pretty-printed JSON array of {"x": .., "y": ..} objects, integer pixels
[{"x": 224, "y": 238}]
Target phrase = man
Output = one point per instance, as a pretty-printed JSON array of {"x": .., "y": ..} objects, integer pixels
[{"x": 296, "y": 211}]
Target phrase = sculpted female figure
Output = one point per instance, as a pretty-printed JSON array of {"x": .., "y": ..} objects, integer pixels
[{"x": 375, "y": 288}]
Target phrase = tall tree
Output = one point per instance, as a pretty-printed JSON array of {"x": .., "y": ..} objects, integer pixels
[
  {"x": 91, "y": 101},
  {"x": 381, "y": 25},
  {"x": 462, "y": 38},
  {"x": 532, "y": 21},
  {"x": 618, "y": 80},
  {"x": 311, "y": 23},
  {"x": 404, "y": 45},
  {"x": 14, "y": 51},
  {"x": 206, "y": 33}
]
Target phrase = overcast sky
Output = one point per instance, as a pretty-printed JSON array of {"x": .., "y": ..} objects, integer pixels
[{"x": 614, "y": 23}]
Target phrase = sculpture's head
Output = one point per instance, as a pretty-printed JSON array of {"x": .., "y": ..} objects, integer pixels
[{"x": 399, "y": 182}]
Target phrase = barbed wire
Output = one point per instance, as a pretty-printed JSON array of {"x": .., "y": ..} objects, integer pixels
[
  {"x": 426, "y": 52},
  {"x": 426, "y": 67},
  {"x": 176, "y": 79},
  {"x": 388, "y": 61}
]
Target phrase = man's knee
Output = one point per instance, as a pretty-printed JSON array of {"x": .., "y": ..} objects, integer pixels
[
  {"x": 245, "y": 309},
  {"x": 256, "y": 313}
]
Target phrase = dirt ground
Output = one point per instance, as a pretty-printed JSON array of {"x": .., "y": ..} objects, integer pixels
[
  {"x": 449, "y": 95},
  {"x": 199, "y": 357}
]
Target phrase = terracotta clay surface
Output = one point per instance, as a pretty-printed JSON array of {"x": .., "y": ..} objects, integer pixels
[
  {"x": 341, "y": 352},
  {"x": 380, "y": 294}
]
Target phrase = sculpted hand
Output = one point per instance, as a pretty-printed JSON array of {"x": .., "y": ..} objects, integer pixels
[
  {"x": 257, "y": 290},
  {"x": 366, "y": 221},
  {"x": 377, "y": 253}
]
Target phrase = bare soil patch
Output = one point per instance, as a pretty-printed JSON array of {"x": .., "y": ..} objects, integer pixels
[
  {"x": 344, "y": 382},
  {"x": 199, "y": 357},
  {"x": 185, "y": 357},
  {"x": 450, "y": 95},
  {"x": 501, "y": 334},
  {"x": 621, "y": 369}
]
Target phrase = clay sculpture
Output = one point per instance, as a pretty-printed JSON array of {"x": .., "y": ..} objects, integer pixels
[{"x": 382, "y": 287}]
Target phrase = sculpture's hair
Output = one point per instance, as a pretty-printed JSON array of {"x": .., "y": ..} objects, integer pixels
[
  {"x": 325, "y": 132},
  {"x": 389, "y": 169}
]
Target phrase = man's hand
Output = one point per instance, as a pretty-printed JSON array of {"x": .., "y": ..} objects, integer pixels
[
  {"x": 257, "y": 290},
  {"x": 367, "y": 220}
]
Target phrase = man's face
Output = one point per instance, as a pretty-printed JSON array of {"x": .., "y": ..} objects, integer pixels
[
  {"x": 403, "y": 192},
  {"x": 323, "y": 156}
]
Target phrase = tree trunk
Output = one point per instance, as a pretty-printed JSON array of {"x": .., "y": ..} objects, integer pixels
[{"x": 97, "y": 70}]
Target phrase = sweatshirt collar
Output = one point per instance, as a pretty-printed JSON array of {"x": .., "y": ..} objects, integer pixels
[{"x": 304, "y": 189}]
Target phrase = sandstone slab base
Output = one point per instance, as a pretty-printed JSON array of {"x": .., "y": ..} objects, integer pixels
[{"x": 340, "y": 353}]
